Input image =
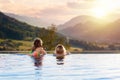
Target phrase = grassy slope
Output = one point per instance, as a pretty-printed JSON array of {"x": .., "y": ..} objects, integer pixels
[{"x": 26, "y": 45}]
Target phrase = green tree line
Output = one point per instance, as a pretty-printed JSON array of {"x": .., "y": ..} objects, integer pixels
[{"x": 11, "y": 28}]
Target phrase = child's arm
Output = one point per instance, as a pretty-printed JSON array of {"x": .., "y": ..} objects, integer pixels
[
  {"x": 68, "y": 53},
  {"x": 54, "y": 53}
]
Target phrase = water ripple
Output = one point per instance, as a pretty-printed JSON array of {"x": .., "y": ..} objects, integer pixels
[{"x": 75, "y": 67}]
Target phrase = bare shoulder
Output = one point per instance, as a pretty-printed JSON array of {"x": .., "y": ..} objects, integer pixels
[
  {"x": 40, "y": 48},
  {"x": 68, "y": 52}
]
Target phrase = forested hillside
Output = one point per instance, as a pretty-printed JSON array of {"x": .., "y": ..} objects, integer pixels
[{"x": 11, "y": 28}]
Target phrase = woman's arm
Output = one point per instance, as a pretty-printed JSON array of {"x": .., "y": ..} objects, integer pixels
[{"x": 43, "y": 52}]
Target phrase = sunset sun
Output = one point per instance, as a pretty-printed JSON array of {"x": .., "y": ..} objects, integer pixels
[
  {"x": 99, "y": 13},
  {"x": 101, "y": 8}
]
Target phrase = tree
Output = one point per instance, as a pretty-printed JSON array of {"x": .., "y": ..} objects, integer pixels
[
  {"x": 2, "y": 35},
  {"x": 111, "y": 47}
]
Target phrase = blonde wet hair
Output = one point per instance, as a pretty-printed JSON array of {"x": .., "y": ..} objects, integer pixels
[{"x": 60, "y": 47}]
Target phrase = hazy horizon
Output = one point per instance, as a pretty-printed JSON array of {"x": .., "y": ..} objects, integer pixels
[{"x": 59, "y": 12}]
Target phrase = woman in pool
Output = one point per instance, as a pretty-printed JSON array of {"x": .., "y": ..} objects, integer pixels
[
  {"x": 37, "y": 50},
  {"x": 60, "y": 52}
]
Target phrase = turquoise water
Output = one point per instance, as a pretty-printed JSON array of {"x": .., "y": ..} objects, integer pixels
[{"x": 75, "y": 67}]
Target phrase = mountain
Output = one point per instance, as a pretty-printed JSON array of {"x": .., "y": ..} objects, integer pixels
[
  {"x": 30, "y": 20},
  {"x": 76, "y": 20},
  {"x": 91, "y": 29},
  {"x": 11, "y": 28}
]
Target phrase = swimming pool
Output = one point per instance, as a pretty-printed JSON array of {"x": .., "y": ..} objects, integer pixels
[{"x": 75, "y": 67}]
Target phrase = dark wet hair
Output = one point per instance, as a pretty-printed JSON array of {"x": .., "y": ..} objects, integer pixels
[{"x": 37, "y": 43}]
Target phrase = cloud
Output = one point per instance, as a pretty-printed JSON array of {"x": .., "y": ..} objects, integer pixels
[
  {"x": 59, "y": 14},
  {"x": 4, "y": 1},
  {"x": 56, "y": 11},
  {"x": 56, "y": 14},
  {"x": 80, "y": 4},
  {"x": 73, "y": 5},
  {"x": 22, "y": 7}
]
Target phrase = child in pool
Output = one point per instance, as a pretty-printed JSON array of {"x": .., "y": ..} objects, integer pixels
[
  {"x": 37, "y": 50},
  {"x": 60, "y": 52}
]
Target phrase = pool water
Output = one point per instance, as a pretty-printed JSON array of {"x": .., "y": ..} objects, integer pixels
[{"x": 74, "y": 67}]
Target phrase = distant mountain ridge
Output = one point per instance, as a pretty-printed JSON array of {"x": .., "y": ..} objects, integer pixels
[
  {"x": 77, "y": 20},
  {"x": 11, "y": 28},
  {"x": 30, "y": 20},
  {"x": 91, "y": 29}
]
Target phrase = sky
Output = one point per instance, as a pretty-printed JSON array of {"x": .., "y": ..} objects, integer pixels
[{"x": 60, "y": 11}]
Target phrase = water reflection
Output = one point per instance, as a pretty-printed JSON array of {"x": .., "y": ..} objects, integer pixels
[
  {"x": 60, "y": 61},
  {"x": 38, "y": 67},
  {"x": 38, "y": 61},
  {"x": 74, "y": 67},
  {"x": 38, "y": 73}
]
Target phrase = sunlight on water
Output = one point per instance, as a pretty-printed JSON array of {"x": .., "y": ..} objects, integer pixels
[{"x": 75, "y": 67}]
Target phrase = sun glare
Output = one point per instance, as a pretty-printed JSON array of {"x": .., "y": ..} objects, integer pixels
[
  {"x": 99, "y": 13},
  {"x": 102, "y": 8}
]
